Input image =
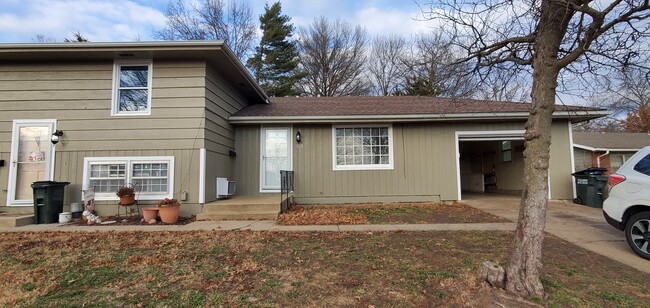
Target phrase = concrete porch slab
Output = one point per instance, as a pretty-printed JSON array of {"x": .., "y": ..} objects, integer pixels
[{"x": 13, "y": 220}]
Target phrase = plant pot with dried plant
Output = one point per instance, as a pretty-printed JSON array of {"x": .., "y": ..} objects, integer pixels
[
  {"x": 126, "y": 193},
  {"x": 168, "y": 210}
]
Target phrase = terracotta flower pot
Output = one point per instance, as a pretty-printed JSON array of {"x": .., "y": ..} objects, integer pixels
[
  {"x": 149, "y": 213},
  {"x": 169, "y": 214},
  {"x": 127, "y": 200}
]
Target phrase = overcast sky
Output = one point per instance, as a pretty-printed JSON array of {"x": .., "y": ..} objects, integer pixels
[{"x": 128, "y": 20}]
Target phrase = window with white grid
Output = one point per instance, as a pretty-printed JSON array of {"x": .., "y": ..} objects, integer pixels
[
  {"x": 152, "y": 176},
  {"x": 107, "y": 177},
  {"x": 362, "y": 147},
  {"x": 132, "y": 88}
]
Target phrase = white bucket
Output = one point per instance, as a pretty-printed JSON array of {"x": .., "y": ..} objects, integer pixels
[
  {"x": 76, "y": 207},
  {"x": 65, "y": 217}
]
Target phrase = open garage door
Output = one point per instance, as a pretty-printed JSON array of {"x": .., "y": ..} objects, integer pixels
[{"x": 490, "y": 162}]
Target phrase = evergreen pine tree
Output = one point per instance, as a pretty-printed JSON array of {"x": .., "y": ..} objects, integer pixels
[{"x": 276, "y": 58}]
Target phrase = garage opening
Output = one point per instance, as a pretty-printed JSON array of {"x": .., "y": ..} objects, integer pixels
[{"x": 491, "y": 163}]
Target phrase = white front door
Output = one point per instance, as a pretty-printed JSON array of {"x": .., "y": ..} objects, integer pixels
[
  {"x": 31, "y": 158},
  {"x": 276, "y": 156}
]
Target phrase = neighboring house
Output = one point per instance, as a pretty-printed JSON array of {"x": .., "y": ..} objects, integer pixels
[
  {"x": 171, "y": 117},
  {"x": 607, "y": 149}
]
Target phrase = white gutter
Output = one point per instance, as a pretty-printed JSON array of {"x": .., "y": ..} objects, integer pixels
[
  {"x": 598, "y": 158},
  {"x": 405, "y": 117},
  {"x": 593, "y": 149}
]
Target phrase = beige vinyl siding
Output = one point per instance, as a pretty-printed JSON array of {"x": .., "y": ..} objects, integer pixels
[
  {"x": 560, "y": 162},
  {"x": 582, "y": 158},
  {"x": 78, "y": 96},
  {"x": 221, "y": 100},
  {"x": 247, "y": 162},
  {"x": 424, "y": 164}
]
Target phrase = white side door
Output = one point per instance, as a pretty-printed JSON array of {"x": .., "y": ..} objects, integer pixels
[
  {"x": 276, "y": 156},
  {"x": 32, "y": 159}
]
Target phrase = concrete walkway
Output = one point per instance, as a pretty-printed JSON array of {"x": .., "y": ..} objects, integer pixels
[
  {"x": 263, "y": 225},
  {"x": 581, "y": 225}
]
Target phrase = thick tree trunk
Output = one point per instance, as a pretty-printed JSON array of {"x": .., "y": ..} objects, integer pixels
[{"x": 522, "y": 272}]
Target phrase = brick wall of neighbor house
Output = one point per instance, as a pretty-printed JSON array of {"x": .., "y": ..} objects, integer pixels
[
  {"x": 424, "y": 164},
  {"x": 78, "y": 96},
  {"x": 604, "y": 161}
]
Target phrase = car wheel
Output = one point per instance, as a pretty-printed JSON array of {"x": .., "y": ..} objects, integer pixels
[{"x": 637, "y": 232}]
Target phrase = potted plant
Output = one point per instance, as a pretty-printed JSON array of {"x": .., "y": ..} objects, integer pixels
[
  {"x": 169, "y": 209},
  {"x": 127, "y": 194}
]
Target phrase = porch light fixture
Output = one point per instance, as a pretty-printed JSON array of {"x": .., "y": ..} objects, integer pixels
[
  {"x": 56, "y": 136},
  {"x": 298, "y": 137}
]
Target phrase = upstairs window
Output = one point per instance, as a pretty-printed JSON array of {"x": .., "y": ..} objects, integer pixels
[{"x": 132, "y": 88}]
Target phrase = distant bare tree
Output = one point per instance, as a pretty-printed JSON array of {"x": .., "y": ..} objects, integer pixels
[
  {"x": 76, "y": 38},
  {"x": 230, "y": 21},
  {"x": 502, "y": 85},
  {"x": 433, "y": 69},
  {"x": 386, "y": 63},
  {"x": 41, "y": 38},
  {"x": 332, "y": 57}
]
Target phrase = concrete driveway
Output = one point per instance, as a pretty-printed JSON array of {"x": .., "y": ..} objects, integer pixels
[{"x": 578, "y": 224}]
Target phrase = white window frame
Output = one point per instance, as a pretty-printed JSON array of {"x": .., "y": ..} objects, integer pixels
[
  {"x": 129, "y": 161},
  {"x": 391, "y": 152},
  {"x": 115, "y": 102}
]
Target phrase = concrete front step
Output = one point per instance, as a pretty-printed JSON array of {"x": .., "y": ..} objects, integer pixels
[
  {"x": 237, "y": 216},
  {"x": 246, "y": 208},
  {"x": 242, "y": 207},
  {"x": 16, "y": 220}
]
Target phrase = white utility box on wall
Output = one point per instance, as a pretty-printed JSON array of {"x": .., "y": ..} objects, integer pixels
[{"x": 225, "y": 188}]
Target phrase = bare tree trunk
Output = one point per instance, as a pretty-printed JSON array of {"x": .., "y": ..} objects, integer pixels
[{"x": 522, "y": 273}]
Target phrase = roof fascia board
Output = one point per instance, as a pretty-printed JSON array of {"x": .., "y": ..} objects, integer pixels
[
  {"x": 407, "y": 117},
  {"x": 594, "y": 149}
]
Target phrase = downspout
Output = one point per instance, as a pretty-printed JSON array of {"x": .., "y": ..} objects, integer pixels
[{"x": 598, "y": 158}]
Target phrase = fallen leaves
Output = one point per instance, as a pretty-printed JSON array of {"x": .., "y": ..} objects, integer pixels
[{"x": 321, "y": 216}]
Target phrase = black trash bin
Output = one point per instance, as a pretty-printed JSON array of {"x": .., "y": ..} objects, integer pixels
[
  {"x": 590, "y": 184},
  {"x": 48, "y": 201}
]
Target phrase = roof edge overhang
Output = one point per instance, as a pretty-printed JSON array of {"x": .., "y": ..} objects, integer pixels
[
  {"x": 597, "y": 149},
  {"x": 574, "y": 116},
  {"x": 26, "y": 52}
]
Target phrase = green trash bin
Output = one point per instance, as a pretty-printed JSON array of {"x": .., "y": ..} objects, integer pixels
[
  {"x": 48, "y": 201},
  {"x": 590, "y": 184}
]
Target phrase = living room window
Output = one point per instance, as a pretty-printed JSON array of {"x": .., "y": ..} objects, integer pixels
[
  {"x": 366, "y": 147},
  {"x": 151, "y": 176},
  {"x": 132, "y": 88}
]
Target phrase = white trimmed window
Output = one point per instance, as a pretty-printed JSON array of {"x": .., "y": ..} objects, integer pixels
[
  {"x": 132, "y": 88},
  {"x": 366, "y": 147},
  {"x": 152, "y": 176}
]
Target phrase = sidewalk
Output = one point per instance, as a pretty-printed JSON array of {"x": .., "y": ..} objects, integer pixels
[{"x": 263, "y": 225}]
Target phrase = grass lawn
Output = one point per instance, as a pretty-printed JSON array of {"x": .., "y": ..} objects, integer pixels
[
  {"x": 389, "y": 213},
  {"x": 261, "y": 269}
]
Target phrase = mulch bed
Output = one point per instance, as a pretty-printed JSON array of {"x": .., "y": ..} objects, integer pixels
[{"x": 131, "y": 221}]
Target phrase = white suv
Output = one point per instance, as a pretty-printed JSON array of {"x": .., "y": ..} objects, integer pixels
[{"x": 628, "y": 206}]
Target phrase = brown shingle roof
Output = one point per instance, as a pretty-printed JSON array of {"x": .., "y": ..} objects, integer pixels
[
  {"x": 384, "y": 105},
  {"x": 612, "y": 140}
]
